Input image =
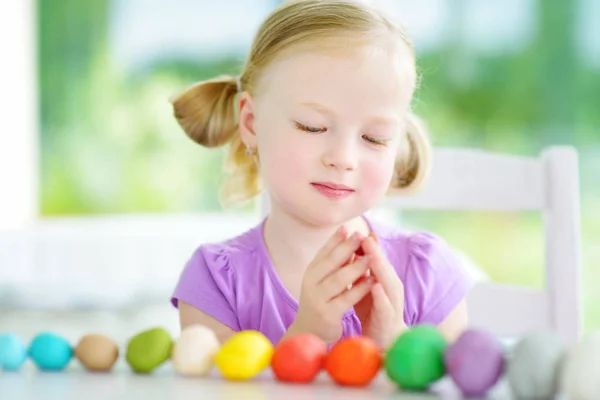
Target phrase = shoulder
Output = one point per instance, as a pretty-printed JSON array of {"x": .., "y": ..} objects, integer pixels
[
  {"x": 404, "y": 247},
  {"x": 217, "y": 267},
  {"x": 209, "y": 280},
  {"x": 420, "y": 249},
  {"x": 225, "y": 255}
]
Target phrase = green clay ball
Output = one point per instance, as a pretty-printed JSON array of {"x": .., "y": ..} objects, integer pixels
[
  {"x": 416, "y": 359},
  {"x": 148, "y": 350}
]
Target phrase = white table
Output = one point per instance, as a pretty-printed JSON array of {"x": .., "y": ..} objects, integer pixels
[{"x": 166, "y": 383}]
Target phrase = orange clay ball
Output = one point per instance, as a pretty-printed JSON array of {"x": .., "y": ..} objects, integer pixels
[
  {"x": 299, "y": 358},
  {"x": 354, "y": 361}
]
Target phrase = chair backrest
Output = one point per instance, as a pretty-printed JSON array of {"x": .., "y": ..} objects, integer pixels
[{"x": 469, "y": 179}]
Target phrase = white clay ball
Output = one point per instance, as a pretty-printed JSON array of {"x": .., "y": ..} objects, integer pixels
[
  {"x": 533, "y": 370},
  {"x": 194, "y": 352},
  {"x": 580, "y": 377}
]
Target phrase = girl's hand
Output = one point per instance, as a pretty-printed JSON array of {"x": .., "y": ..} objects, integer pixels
[
  {"x": 325, "y": 296},
  {"x": 381, "y": 311}
]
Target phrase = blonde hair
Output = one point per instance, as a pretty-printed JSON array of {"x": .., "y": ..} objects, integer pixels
[{"x": 207, "y": 110}]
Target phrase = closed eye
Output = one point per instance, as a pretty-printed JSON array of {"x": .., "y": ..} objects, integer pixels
[
  {"x": 309, "y": 129},
  {"x": 372, "y": 140}
]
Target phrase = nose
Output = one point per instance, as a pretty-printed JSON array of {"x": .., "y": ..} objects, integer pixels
[{"x": 341, "y": 154}]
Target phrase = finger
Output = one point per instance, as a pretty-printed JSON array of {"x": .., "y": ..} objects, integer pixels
[
  {"x": 375, "y": 237},
  {"x": 336, "y": 258},
  {"x": 364, "y": 276},
  {"x": 341, "y": 279},
  {"x": 384, "y": 272},
  {"x": 359, "y": 252},
  {"x": 350, "y": 297},
  {"x": 377, "y": 256},
  {"x": 338, "y": 237},
  {"x": 350, "y": 260},
  {"x": 381, "y": 300}
]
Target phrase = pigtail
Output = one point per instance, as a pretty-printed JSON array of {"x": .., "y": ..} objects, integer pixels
[
  {"x": 413, "y": 163},
  {"x": 206, "y": 111}
]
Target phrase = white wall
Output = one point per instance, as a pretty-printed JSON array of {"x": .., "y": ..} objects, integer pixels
[{"x": 107, "y": 262}]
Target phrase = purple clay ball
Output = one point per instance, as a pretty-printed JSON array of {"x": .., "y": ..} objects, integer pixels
[{"x": 475, "y": 362}]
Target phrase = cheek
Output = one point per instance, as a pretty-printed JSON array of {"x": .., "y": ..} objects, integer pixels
[
  {"x": 377, "y": 173},
  {"x": 283, "y": 156}
]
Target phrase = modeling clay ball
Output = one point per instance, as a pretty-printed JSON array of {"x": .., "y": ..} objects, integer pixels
[
  {"x": 416, "y": 359},
  {"x": 97, "y": 352},
  {"x": 299, "y": 358},
  {"x": 579, "y": 378},
  {"x": 13, "y": 352},
  {"x": 195, "y": 350},
  {"x": 354, "y": 361},
  {"x": 475, "y": 362},
  {"x": 244, "y": 355},
  {"x": 533, "y": 369},
  {"x": 148, "y": 350},
  {"x": 50, "y": 352}
]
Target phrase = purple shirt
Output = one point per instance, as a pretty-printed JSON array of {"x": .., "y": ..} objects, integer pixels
[{"x": 236, "y": 283}]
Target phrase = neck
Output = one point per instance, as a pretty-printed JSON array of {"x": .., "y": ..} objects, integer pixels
[{"x": 300, "y": 241}]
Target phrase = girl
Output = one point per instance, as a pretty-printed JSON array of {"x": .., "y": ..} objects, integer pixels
[{"x": 320, "y": 118}]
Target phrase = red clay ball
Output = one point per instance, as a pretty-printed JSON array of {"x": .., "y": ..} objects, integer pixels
[{"x": 299, "y": 358}]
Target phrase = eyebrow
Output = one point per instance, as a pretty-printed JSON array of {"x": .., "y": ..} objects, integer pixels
[{"x": 324, "y": 110}]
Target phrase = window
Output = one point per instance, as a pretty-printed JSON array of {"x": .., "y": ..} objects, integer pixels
[{"x": 107, "y": 69}]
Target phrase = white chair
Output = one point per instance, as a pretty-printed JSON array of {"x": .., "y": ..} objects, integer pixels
[{"x": 467, "y": 179}]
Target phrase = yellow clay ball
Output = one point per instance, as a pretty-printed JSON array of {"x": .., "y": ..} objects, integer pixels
[{"x": 245, "y": 355}]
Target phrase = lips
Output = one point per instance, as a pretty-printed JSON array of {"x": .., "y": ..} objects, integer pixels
[
  {"x": 332, "y": 190},
  {"x": 333, "y": 186}
]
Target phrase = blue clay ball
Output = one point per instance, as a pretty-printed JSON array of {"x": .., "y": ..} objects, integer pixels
[
  {"x": 50, "y": 352},
  {"x": 13, "y": 352}
]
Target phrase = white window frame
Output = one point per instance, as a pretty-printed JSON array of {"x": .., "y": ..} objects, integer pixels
[{"x": 19, "y": 156}]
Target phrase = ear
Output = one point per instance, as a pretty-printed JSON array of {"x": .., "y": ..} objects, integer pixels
[{"x": 246, "y": 120}]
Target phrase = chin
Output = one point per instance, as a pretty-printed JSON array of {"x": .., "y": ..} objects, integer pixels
[{"x": 329, "y": 216}]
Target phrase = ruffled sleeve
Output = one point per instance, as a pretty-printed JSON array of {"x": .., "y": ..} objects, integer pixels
[
  {"x": 435, "y": 280},
  {"x": 207, "y": 282}
]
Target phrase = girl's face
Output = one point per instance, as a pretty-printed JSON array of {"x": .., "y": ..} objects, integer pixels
[{"x": 327, "y": 130}]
